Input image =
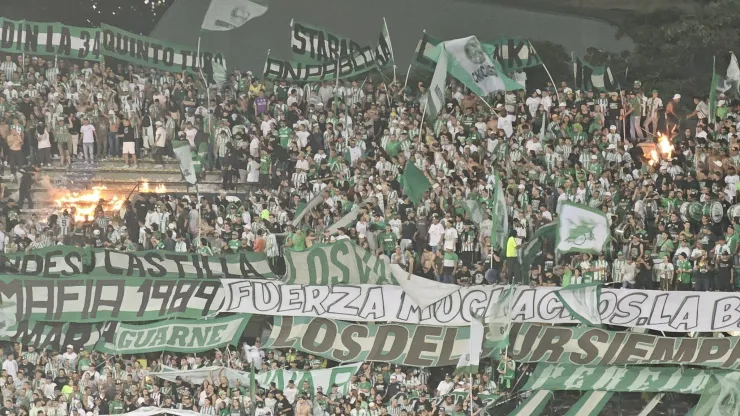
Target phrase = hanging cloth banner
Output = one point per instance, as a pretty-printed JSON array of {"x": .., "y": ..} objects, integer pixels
[
  {"x": 182, "y": 336},
  {"x": 50, "y": 39},
  {"x": 123, "y": 299},
  {"x": 340, "y": 263},
  {"x": 145, "y": 51},
  {"x": 313, "y": 44},
  {"x": 67, "y": 261},
  {"x": 403, "y": 344},
  {"x": 625, "y": 379},
  {"x": 596, "y": 346}
]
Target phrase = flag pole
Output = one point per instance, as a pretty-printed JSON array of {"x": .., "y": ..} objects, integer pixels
[
  {"x": 546, "y": 70},
  {"x": 408, "y": 72},
  {"x": 390, "y": 46},
  {"x": 200, "y": 69}
]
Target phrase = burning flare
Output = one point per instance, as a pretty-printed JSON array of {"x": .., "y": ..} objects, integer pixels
[
  {"x": 666, "y": 150},
  {"x": 159, "y": 189},
  {"x": 83, "y": 204}
]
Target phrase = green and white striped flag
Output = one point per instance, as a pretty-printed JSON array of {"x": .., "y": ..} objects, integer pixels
[
  {"x": 468, "y": 363},
  {"x": 499, "y": 320},
  {"x": 720, "y": 398},
  {"x": 534, "y": 405},
  {"x": 582, "y": 301},
  {"x": 436, "y": 98},
  {"x": 183, "y": 154},
  {"x": 582, "y": 229},
  {"x": 590, "y": 404}
]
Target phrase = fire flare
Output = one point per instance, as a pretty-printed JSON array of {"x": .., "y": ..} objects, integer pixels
[
  {"x": 664, "y": 150},
  {"x": 83, "y": 204}
]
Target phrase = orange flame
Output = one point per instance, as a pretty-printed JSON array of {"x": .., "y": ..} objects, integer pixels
[
  {"x": 83, "y": 204},
  {"x": 159, "y": 189}
]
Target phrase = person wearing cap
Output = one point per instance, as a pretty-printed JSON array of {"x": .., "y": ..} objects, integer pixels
[{"x": 673, "y": 117}]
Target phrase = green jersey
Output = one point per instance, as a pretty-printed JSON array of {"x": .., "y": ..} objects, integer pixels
[
  {"x": 684, "y": 271},
  {"x": 284, "y": 135},
  {"x": 387, "y": 241}
]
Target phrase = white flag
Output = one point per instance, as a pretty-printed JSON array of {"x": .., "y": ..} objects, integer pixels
[
  {"x": 468, "y": 363},
  {"x": 181, "y": 148},
  {"x": 582, "y": 229},
  {"x": 473, "y": 67},
  {"x": 230, "y": 14},
  {"x": 582, "y": 301},
  {"x": 438, "y": 86},
  {"x": 733, "y": 74}
]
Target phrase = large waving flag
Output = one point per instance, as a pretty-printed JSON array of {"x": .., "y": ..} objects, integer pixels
[
  {"x": 470, "y": 64},
  {"x": 582, "y": 229},
  {"x": 225, "y": 15},
  {"x": 181, "y": 148}
]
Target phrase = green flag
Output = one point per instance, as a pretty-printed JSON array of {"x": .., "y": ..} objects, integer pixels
[
  {"x": 534, "y": 246},
  {"x": 182, "y": 152},
  {"x": 720, "y": 398},
  {"x": 713, "y": 93},
  {"x": 414, "y": 182}
]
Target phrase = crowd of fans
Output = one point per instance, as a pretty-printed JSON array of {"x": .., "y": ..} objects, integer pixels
[{"x": 277, "y": 146}]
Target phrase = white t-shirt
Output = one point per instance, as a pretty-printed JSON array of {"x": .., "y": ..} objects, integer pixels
[
  {"x": 450, "y": 238},
  {"x": 435, "y": 234},
  {"x": 88, "y": 135}
]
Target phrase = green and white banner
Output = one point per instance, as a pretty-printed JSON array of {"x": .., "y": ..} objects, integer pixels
[
  {"x": 50, "y": 39},
  {"x": 719, "y": 398},
  {"x": 513, "y": 53},
  {"x": 348, "y": 66},
  {"x": 403, "y": 344},
  {"x": 625, "y": 379},
  {"x": 596, "y": 346},
  {"x": 325, "y": 378},
  {"x": 358, "y": 62},
  {"x": 143, "y": 50},
  {"x": 315, "y": 44},
  {"x": 181, "y": 336},
  {"x": 121, "y": 299},
  {"x": 534, "y": 405},
  {"x": 340, "y": 263},
  {"x": 67, "y": 261},
  {"x": 590, "y": 404},
  {"x": 593, "y": 77},
  {"x": 582, "y": 229}
]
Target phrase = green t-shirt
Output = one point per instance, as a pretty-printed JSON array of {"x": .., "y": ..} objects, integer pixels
[
  {"x": 284, "y": 135},
  {"x": 450, "y": 259},
  {"x": 387, "y": 241},
  {"x": 116, "y": 407},
  {"x": 684, "y": 271},
  {"x": 392, "y": 148},
  {"x": 299, "y": 242}
]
